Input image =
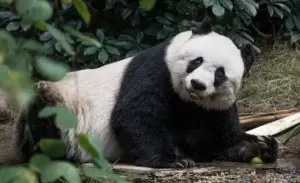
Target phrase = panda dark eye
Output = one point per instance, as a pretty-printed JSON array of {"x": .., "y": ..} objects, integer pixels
[
  {"x": 198, "y": 61},
  {"x": 220, "y": 72},
  {"x": 220, "y": 76},
  {"x": 194, "y": 64}
]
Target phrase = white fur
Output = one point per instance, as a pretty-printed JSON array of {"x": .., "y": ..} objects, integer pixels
[
  {"x": 91, "y": 94},
  {"x": 216, "y": 50}
]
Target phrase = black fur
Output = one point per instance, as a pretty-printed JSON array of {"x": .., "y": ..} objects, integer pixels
[
  {"x": 157, "y": 129},
  {"x": 248, "y": 54},
  {"x": 220, "y": 76},
  {"x": 205, "y": 27},
  {"x": 32, "y": 128}
]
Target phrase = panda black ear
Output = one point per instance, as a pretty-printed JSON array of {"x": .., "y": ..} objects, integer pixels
[
  {"x": 248, "y": 54},
  {"x": 205, "y": 27}
]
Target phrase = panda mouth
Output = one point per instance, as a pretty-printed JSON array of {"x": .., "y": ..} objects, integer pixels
[{"x": 195, "y": 95}]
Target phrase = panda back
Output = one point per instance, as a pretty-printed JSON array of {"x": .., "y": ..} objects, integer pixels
[{"x": 93, "y": 95}]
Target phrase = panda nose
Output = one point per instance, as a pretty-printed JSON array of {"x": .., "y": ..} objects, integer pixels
[{"x": 197, "y": 85}]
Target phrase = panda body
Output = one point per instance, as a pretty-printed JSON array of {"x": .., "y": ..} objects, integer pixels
[{"x": 170, "y": 106}]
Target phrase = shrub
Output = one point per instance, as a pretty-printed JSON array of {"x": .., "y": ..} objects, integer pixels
[
  {"x": 18, "y": 55},
  {"x": 126, "y": 27}
]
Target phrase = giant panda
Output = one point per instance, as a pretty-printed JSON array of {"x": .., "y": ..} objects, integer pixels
[{"x": 170, "y": 106}]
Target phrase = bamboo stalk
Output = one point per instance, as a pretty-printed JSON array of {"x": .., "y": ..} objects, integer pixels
[
  {"x": 285, "y": 111},
  {"x": 250, "y": 123},
  {"x": 277, "y": 126}
]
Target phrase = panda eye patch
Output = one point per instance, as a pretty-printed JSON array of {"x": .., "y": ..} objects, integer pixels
[
  {"x": 220, "y": 76},
  {"x": 194, "y": 64}
]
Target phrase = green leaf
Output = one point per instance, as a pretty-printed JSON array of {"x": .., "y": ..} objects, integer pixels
[
  {"x": 112, "y": 50},
  {"x": 82, "y": 10},
  {"x": 297, "y": 21},
  {"x": 17, "y": 174},
  {"x": 103, "y": 56},
  {"x": 289, "y": 23},
  {"x": 52, "y": 70},
  {"x": 125, "y": 45},
  {"x": 249, "y": 7},
  {"x": 284, "y": 7},
  {"x": 93, "y": 148},
  {"x": 170, "y": 16},
  {"x": 208, "y": 3},
  {"x": 53, "y": 148},
  {"x": 42, "y": 26},
  {"x": 247, "y": 36},
  {"x": 100, "y": 35},
  {"x": 295, "y": 132},
  {"x": 38, "y": 162},
  {"x": 295, "y": 37},
  {"x": 55, "y": 170},
  {"x": 163, "y": 21},
  {"x": 125, "y": 13},
  {"x": 90, "y": 50},
  {"x": 33, "y": 45},
  {"x": 41, "y": 11},
  {"x": 147, "y": 4},
  {"x": 45, "y": 36},
  {"x": 23, "y": 6},
  {"x": 163, "y": 33},
  {"x": 61, "y": 38},
  {"x": 58, "y": 47},
  {"x": 8, "y": 42},
  {"x": 218, "y": 10},
  {"x": 253, "y": 3},
  {"x": 96, "y": 173},
  {"x": 227, "y": 4},
  {"x": 86, "y": 40},
  {"x": 270, "y": 10},
  {"x": 12, "y": 26},
  {"x": 139, "y": 37},
  {"x": 127, "y": 38},
  {"x": 87, "y": 145},
  {"x": 25, "y": 26},
  {"x": 64, "y": 119},
  {"x": 5, "y": 2},
  {"x": 278, "y": 12}
]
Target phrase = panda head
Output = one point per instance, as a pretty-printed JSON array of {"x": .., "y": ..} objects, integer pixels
[{"x": 207, "y": 68}]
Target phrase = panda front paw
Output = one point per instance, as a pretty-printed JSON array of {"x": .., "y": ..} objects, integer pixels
[
  {"x": 264, "y": 147},
  {"x": 182, "y": 163}
]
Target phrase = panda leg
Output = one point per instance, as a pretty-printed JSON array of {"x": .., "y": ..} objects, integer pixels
[
  {"x": 250, "y": 146},
  {"x": 145, "y": 142}
]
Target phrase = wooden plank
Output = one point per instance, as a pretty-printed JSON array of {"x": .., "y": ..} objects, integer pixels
[
  {"x": 277, "y": 126},
  {"x": 268, "y": 113},
  {"x": 251, "y": 123},
  {"x": 280, "y": 112}
]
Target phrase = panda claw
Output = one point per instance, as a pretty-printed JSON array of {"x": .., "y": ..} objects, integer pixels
[
  {"x": 184, "y": 163},
  {"x": 263, "y": 145}
]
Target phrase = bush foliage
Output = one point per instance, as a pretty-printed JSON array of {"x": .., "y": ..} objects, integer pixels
[
  {"x": 48, "y": 38},
  {"x": 124, "y": 27}
]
